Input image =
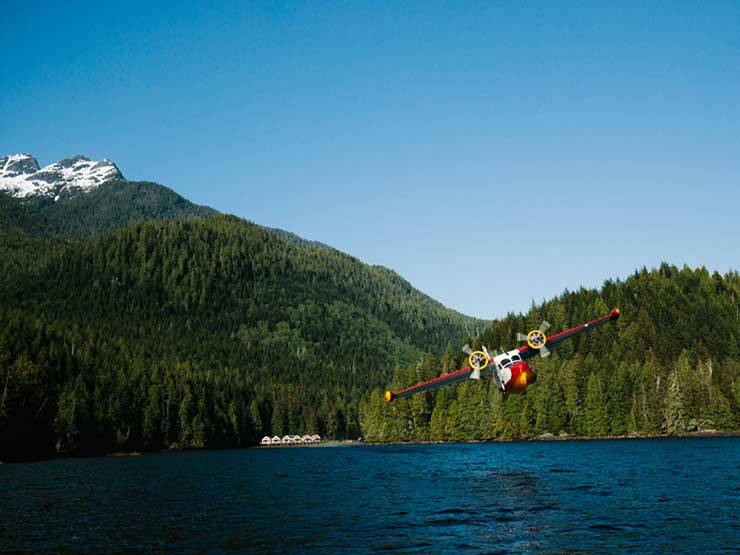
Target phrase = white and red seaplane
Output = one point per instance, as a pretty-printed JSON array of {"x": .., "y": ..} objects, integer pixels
[{"x": 509, "y": 370}]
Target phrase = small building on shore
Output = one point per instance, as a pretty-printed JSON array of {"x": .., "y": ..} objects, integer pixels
[{"x": 291, "y": 440}]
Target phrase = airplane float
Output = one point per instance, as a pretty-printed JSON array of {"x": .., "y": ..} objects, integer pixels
[{"x": 509, "y": 370}]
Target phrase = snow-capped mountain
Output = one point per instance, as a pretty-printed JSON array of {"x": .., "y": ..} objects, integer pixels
[{"x": 21, "y": 176}]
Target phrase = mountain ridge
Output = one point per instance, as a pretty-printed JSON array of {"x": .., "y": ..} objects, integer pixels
[
  {"x": 61, "y": 205},
  {"x": 193, "y": 328},
  {"x": 114, "y": 204},
  {"x": 20, "y": 175}
]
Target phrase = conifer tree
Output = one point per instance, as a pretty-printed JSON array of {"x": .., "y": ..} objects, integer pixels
[{"x": 595, "y": 410}]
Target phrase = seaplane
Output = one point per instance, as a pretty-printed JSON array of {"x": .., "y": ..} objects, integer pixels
[{"x": 509, "y": 370}]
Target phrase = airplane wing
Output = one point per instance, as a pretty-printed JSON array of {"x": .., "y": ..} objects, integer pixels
[
  {"x": 453, "y": 377},
  {"x": 526, "y": 351}
]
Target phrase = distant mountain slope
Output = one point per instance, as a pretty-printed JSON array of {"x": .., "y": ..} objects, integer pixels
[
  {"x": 113, "y": 205},
  {"x": 226, "y": 270},
  {"x": 18, "y": 216},
  {"x": 21, "y": 176},
  {"x": 195, "y": 333},
  {"x": 80, "y": 199},
  {"x": 131, "y": 318},
  {"x": 118, "y": 204}
]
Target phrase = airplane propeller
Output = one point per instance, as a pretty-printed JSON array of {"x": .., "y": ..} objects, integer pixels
[
  {"x": 477, "y": 360},
  {"x": 537, "y": 339}
]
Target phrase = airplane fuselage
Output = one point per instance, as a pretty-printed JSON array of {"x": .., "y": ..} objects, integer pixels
[{"x": 510, "y": 373}]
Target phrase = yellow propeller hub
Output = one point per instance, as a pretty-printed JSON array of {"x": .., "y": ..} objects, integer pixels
[
  {"x": 536, "y": 339},
  {"x": 478, "y": 360}
]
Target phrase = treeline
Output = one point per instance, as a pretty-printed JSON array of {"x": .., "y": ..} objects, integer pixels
[
  {"x": 69, "y": 390},
  {"x": 670, "y": 364},
  {"x": 196, "y": 333}
]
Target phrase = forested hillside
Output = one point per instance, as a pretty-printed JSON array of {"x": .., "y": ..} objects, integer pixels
[
  {"x": 195, "y": 332},
  {"x": 670, "y": 364},
  {"x": 112, "y": 205},
  {"x": 127, "y": 322}
]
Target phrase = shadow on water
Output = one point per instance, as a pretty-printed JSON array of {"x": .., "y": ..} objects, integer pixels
[{"x": 510, "y": 486}]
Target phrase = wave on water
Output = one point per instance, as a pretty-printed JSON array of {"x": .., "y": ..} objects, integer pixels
[{"x": 569, "y": 497}]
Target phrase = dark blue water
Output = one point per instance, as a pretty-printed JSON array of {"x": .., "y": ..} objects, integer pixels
[{"x": 636, "y": 496}]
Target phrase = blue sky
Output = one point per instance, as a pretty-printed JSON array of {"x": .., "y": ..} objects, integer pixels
[{"x": 492, "y": 153}]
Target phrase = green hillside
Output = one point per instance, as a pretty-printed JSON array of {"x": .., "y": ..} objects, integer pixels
[
  {"x": 129, "y": 322},
  {"x": 19, "y": 216},
  {"x": 192, "y": 333},
  {"x": 670, "y": 364},
  {"x": 113, "y": 205}
]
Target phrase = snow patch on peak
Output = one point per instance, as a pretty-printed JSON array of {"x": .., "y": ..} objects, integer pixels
[
  {"x": 18, "y": 164},
  {"x": 20, "y": 175}
]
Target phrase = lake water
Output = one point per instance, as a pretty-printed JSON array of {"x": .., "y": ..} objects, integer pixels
[{"x": 626, "y": 496}]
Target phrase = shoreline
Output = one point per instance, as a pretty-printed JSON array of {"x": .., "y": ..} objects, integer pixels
[
  {"x": 561, "y": 437},
  {"x": 354, "y": 442}
]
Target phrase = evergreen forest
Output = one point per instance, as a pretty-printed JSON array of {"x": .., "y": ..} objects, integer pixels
[
  {"x": 131, "y": 319},
  {"x": 669, "y": 365},
  {"x": 186, "y": 332}
]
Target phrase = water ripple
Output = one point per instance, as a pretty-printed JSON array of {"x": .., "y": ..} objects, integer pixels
[{"x": 566, "y": 497}]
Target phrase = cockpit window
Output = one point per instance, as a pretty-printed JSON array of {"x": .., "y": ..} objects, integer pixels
[
  {"x": 516, "y": 357},
  {"x": 505, "y": 362}
]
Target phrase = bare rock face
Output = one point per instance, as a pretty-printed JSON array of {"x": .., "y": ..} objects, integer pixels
[{"x": 18, "y": 164}]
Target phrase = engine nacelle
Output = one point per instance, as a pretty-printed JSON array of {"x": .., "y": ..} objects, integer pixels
[{"x": 521, "y": 376}]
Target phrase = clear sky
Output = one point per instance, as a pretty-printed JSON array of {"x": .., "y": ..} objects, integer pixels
[{"x": 492, "y": 153}]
